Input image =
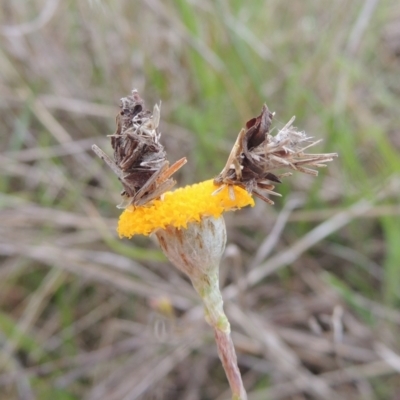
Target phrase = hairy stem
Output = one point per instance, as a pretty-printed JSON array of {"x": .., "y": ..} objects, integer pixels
[
  {"x": 208, "y": 289},
  {"x": 227, "y": 355}
]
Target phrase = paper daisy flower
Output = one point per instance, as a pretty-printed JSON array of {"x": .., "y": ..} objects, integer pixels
[{"x": 188, "y": 222}]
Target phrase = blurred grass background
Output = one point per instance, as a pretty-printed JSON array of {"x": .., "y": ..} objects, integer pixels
[{"x": 84, "y": 315}]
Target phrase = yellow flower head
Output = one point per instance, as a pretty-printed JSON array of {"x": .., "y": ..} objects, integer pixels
[{"x": 180, "y": 207}]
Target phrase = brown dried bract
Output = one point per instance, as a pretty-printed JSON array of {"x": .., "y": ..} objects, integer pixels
[
  {"x": 139, "y": 158},
  {"x": 256, "y": 153}
]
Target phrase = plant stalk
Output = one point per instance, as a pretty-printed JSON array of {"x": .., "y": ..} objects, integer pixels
[{"x": 208, "y": 289}]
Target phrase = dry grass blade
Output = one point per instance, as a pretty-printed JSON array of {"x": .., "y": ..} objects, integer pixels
[{"x": 283, "y": 357}]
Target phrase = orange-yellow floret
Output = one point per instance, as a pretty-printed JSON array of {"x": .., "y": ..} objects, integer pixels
[{"x": 180, "y": 207}]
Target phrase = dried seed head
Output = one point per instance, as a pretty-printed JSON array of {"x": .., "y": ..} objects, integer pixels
[
  {"x": 256, "y": 153},
  {"x": 139, "y": 158}
]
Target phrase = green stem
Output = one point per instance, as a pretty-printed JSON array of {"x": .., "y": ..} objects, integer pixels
[{"x": 208, "y": 288}]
